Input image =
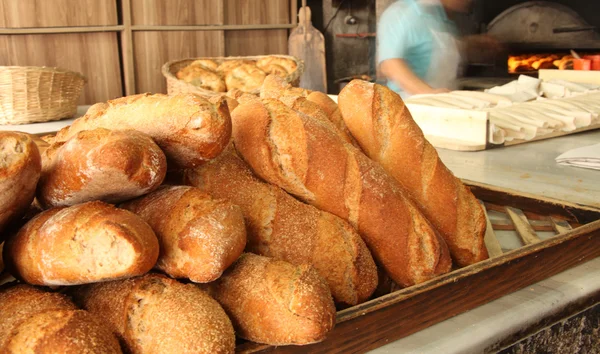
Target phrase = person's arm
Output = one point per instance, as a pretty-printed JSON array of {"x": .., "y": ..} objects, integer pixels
[{"x": 398, "y": 71}]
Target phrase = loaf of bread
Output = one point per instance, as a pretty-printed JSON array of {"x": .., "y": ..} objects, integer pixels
[
  {"x": 275, "y": 302},
  {"x": 189, "y": 129},
  {"x": 34, "y": 321},
  {"x": 246, "y": 78},
  {"x": 228, "y": 65},
  {"x": 319, "y": 106},
  {"x": 100, "y": 164},
  {"x": 85, "y": 243},
  {"x": 274, "y": 65},
  {"x": 282, "y": 227},
  {"x": 199, "y": 236},
  {"x": 207, "y": 63},
  {"x": 312, "y": 162},
  {"x": 20, "y": 166},
  {"x": 383, "y": 126},
  {"x": 156, "y": 314},
  {"x": 203, "y": 77}
]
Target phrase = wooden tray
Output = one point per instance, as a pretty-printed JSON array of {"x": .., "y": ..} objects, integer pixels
[{"x": 398, "y": 314}]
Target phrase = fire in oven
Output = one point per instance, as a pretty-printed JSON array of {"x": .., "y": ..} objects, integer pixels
[{"x": 545, "y": 35}]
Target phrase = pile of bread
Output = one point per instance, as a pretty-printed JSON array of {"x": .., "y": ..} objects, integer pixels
[
  {"x": 171, "y": 224},
  {"x": 246, "y": 75}
]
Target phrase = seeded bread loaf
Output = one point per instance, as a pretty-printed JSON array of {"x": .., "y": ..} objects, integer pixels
[
  {"x": 156, "y": 314},
  {"x": 35, "y": 321},
  {"x": 275, "y": 302}
]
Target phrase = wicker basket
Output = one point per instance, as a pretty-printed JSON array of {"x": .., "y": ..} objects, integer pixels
[
  {"x": 33, "y": 94},
  {"x": 175, "y": 86}
]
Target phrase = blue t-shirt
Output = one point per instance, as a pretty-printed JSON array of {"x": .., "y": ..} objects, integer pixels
[{"x": 405, "y": 32}]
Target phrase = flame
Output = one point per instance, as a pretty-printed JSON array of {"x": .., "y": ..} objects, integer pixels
[{"x": 520, "y": 63}]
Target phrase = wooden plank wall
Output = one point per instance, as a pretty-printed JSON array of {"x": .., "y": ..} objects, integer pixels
[
  {"x": 103, "y": 56},
  {"x": 57, "y": 13}
]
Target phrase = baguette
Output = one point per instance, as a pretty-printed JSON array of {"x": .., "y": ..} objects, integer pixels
[
  {"x": 188, "y": 128},
  {"x": 156, "y": 314},
  {"x": 100, "y": 164},
  {"x": 310, "y": 161},
  {"x": 274, "y": 302},
  {"x": 282, "y": 227},
  {"x": 20, "y": 167},
  {"x": 312, "y": 103},
  {"x": 383, "y": 126},
  {"x": 34, "y": 321},
  {"x": 85, "y": 243},
  {"x": 199, "y": 236}
]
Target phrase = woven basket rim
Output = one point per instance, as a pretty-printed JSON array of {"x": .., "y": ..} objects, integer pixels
[
  {"x": 43, "y": 68},
  {"x": 166, "y": 68}
]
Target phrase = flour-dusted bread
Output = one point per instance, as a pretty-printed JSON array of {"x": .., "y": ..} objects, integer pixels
[
  {"x": 20, "y": 167},
  {"x": 383, "y": 126},
  {"x": 282, "y": 227},
  {"x": 199, "y": 236},
  {"x": 311, "y": 161},
  {"x": 100, "y": 164},
  {"x": 85, "y": 243},
  {"x": 275, "y": 302},
  {"x": 188, "y": 128},
  {"x": 35, "y": 321},
  {"x": 156, "y": 314},
  {"x": 246, "y": 78}
]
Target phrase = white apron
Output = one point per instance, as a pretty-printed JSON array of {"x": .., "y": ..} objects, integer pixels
[{"x": 445, "y": 61}]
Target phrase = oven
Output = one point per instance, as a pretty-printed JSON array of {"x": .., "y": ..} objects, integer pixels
[{"x": 535, "y": 35}]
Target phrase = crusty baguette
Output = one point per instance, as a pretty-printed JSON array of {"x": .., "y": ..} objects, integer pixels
[
  {"x": 317, "y": 107},
  {"x": 332, "y": 111},
  {"x": 188, "y": 128},
  {"x": 282, "y": 227},
  {"x": 199, "y": 236},
  {"x": 20, "y": 166},
  {"x": 85, "y": 243},
  {"x": 100, "y": 164},
  {"x": 35, "y": 321},
  {"x": 383, "y": 126},
  {"x": 312, "y": 162},
  {"x": 156, "y": 314},
  {"x": 275, "y": 302}
]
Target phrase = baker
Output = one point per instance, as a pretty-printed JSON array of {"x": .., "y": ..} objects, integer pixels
[{"x": 418, "y": 47}]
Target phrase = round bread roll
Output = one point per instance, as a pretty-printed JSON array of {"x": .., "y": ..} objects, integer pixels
[
  {"x": 274, "y": 69},
  {"x": 274, "y": 302},
  {"x": 85, "y": 243},
  {"x": 199, "y": 236},
  {"x": 229, "y": 65},
  {"x": 156, "y": 314},
  {"x": 62, "y": 332},
  {"x": 100, "y": 164},
  {"x": 35, "y": 321},
  {"x": 207, "y": 63},
  {"x": 20, "y": 166},
  {"x": 246, "y": 78},
  {"x": 286, "y": 64},
  {"x": 202, "y": 77}
]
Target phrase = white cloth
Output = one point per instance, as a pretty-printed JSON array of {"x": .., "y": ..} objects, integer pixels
[{"x": 584, "y": 157}]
